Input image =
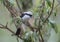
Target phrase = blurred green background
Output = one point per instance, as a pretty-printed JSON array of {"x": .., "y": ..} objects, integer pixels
[{"x": 5, "y": 35}]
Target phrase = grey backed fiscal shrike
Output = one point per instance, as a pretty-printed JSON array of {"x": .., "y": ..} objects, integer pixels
[{"x": 25, "y": 16}]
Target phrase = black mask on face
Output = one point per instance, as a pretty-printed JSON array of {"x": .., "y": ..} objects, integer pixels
[{"x": 25, "y": 14}]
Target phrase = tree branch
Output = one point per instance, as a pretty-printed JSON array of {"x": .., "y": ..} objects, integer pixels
[
  {"x": 41, "y": 19},
  {"x": 6, "y": 27},
  {"x": 10, "y": 8},
  {"x": 14, "y": 12},
  {"x": 50, "y": 12},
  {"x": 19, "y": 6}
]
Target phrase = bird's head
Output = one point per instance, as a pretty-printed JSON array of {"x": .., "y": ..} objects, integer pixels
[{"x": 26, "y": 15}]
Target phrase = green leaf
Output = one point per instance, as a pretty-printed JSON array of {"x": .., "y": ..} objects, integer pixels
[
  {"x": 28, "y": 37},
  {"x": 55, "y": 13},
  {"x": 48, "y": 3},
  {"x": 31, "y": 37},
  {"x": 53, "y": 25}
]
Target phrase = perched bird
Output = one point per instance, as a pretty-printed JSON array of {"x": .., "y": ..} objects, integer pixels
[{"x": 25, "y": 16}]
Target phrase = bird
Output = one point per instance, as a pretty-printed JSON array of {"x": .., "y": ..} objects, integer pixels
[{"x": 25, "y": 16}]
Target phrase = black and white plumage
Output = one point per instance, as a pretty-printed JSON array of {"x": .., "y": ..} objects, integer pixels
[{"x": 25, "y": 17}]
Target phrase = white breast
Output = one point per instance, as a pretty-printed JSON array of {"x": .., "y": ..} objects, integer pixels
[{"x": 26, "y": 18}]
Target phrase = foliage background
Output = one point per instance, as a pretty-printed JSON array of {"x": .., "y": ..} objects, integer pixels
[{"x": 5, "y": 36}]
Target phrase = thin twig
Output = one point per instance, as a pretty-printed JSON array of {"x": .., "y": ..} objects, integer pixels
[
  {"x": 5, "y": 27},
  {"x": 56, "y": 6},
  {"x": 47, "y": 19},
  {"x": 19, "y": 6},
  {"x": 1, "y": 25},
  {"x": 50, "y": 12},
  {"x": 17, "y": 39},
  {"x": 42, "y": 11},
  {"x": 13, "y": 12},
  {"x": 41, "y": 16},
  {"x": 10, "y": 8},
  {"x": 41, "y": 36}
]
